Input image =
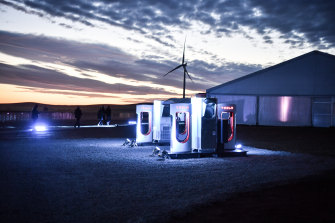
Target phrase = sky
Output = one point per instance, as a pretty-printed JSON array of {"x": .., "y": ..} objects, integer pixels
[{"x": 82, "y": 52}]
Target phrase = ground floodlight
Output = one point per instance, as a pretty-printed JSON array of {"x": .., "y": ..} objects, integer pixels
[
  {"x": 127, "y": 142},
  {"x": 133, "y": 143},
  {"x": 238, "y": 146},
  {"x": 131, "y": 122},
  {"x": 40, "y": 127},
  {"x": 156, "y": 151}
]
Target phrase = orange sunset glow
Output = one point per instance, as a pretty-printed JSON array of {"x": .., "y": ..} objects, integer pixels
[{"x": 117, "y": 53}]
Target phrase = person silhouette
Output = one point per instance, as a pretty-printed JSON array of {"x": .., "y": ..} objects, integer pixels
[
  {"x": 34, "y": 113},
  {"x": 108, "y": 112},
  {"x": 77, "y": 115},
  {"x": 101, "y": 115}
]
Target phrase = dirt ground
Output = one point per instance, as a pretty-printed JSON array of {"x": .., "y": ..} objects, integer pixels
[
  {"x": 316, "y": 141},
  {"x": 310, "y": 199}
]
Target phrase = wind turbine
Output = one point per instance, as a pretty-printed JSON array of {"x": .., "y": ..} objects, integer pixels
[{"x": 183, "y": 64}]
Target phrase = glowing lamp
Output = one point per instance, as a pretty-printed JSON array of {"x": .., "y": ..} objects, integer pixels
[
  {"x": 40, "y": 128},
  {"x": 156, "y": 151},
  {"x": 238, "y": 146},
  {"x": 131, "y": 122}
]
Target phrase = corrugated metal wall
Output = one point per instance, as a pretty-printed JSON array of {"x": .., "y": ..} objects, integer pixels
[
  {"x": 246, "y": 107},
  {"x": 323, "y": 111},
  {"x": 282, "y": 110}
]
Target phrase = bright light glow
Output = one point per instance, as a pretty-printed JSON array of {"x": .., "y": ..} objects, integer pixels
[
  {"x": 131, "y": 122},
  {"x": 40, "y": 127},
  {"x": 238, "y": 146},
  {"x": 285, "y": 104}
]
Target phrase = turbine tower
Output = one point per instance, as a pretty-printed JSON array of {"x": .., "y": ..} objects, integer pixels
[{"x": 183, "y": 64}]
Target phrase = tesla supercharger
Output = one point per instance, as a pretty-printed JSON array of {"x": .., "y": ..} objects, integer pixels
[
  {"x": 226, "y": 127},
  {"x": 204, "y": 124},
  {"x": 181, "y": 139},
  {"x": 161, "y": 122},
  {"x": 144, "y": 123}
]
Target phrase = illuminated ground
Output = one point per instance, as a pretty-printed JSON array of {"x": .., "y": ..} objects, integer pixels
[{"x": 59, "y": 177}]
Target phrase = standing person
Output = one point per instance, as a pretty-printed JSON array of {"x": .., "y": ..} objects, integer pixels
[
  {"x": 101, "y": 115},
  {"x": 34, "y": 113},
  {"x": 108, "y": 114},
  {"x": 77, "y": 115}
]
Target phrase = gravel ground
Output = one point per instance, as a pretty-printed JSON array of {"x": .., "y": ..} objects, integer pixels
[
  {"x": 308, "y": 200},
  {"x": 66, "y": 179},
  {"x": 311, "y": 140}
]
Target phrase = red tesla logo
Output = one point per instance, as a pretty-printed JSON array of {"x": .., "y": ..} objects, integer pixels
[{"x": 228, "y": 107}]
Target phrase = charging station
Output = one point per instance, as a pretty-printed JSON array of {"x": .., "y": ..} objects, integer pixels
[
  {"x": 226, "y": 126},
  {"x": 204, "y": 129},
  {"x": 196, "y": 127},
  {"x": 181, "y": 140},
  {"x": 144, "y": 129}
]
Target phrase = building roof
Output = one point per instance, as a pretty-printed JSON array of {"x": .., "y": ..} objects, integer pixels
[{"x": 311, "y": 74}]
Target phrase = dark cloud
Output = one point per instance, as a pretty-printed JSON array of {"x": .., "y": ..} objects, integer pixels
[
  {"x": 37, "y": 77},
  {"x": 66, "y": 25},
  {"x": 313, "y": 18},
  {"x": 52, "y": 49},
  {"x": 70, "y": 93},
  {"x": 111, "y": 61},
  {"x": 97, "y": 57}
]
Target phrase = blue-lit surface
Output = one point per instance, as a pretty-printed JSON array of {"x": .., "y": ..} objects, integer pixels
[{"x": 99, "y": 178}]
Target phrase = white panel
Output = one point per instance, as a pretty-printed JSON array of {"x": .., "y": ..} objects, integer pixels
[
  {"x": 245, "y": 107},
  {"x": 284, "y": 111},
  {"x": 157, "y": 120},
  {"x": 197, "y": 111}
]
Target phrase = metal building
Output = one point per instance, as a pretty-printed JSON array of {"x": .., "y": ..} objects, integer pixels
[{"x": 297, "y": 92}]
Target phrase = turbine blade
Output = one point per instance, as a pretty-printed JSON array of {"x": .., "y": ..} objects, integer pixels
[
  {"x": 188, "y": 75},
  {"x": 184, "y": 52},
  {"x": 173, "y": 70}
]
